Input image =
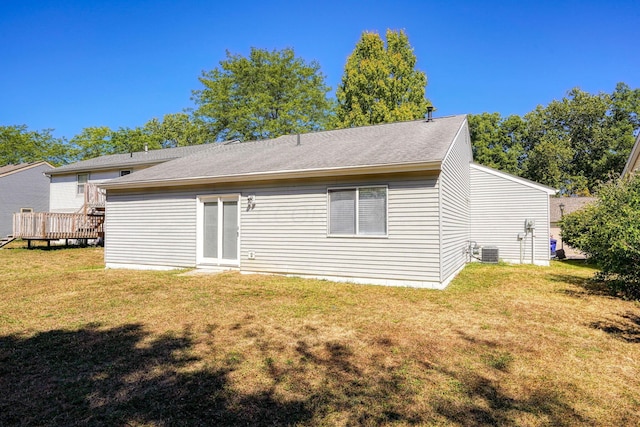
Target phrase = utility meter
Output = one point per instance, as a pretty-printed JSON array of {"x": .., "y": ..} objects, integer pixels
[{"x": 529, "y": 224}]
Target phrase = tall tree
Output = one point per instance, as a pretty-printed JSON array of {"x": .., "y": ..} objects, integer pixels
[
  {"x": 92, "y": 142},
  {"x": 583, "y": 138},
  {"x": 572, "y": 144},
  {"x": 18, "y": 144},
  {"x": 264, "y": 95},
  {"x": 497, "y": 142},
  {"x": 380, "y": 83},
  {"x": 176, "y": 130}
]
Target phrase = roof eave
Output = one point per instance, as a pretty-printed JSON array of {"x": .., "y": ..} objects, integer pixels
[
  {"x": 633, "y": 157},
  {"x": 27, "y": 167},
  {"x": 278, "y": 175},
  {"x": 109, "y": 167}
]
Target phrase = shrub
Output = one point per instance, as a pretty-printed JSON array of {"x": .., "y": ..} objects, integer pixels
[{"x": 608, "y": 231}]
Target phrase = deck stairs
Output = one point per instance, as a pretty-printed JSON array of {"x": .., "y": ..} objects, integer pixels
[{"x": 6, "y": 240}]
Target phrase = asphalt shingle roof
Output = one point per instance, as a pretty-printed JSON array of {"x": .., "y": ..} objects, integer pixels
[
  {"x": 131, "y": 159},
  {"x": 411, "y": 142},
  {"x": 570, "y": 204}
]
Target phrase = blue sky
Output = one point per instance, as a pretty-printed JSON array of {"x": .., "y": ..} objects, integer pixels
[{"x": 71, "y": 64}]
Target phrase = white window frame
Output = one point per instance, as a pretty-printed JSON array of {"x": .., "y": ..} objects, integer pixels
[
  {"x": 81, "y": 185},
  {"x": 357, "y": 233},
  {"x": 219, "y": 198}
]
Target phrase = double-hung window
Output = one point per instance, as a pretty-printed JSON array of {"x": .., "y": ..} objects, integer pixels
[
  {"x": 83, "y": 178},
  {"x": 358, "y": 211}
]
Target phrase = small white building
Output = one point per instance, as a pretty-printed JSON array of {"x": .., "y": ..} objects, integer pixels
[{"x": 393, "y": 204}]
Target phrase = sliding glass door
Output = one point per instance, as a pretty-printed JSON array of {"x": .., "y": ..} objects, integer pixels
[{"x": 218, "y": 230}]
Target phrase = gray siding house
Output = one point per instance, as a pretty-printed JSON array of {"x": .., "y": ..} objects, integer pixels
[
  {"x": 388, "y": 204},
  {"x": 23, "y": 188}
]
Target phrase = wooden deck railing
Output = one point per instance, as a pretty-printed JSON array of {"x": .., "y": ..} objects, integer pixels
[
  {"x": 52, "y": 226},
  {"x": 94, "y": 197}
]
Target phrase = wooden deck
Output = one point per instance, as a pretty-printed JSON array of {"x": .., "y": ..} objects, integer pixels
[
  {"x": 87, "y": 223},
  {"x": 54, "y": 226}
]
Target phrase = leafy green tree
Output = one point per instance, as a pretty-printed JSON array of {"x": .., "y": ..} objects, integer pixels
[
  {"x": 176, "y": 130},
  {"x": 609, "y": 232},
  {"x": 264, "y": 95},
  {"x": 18, "y": 144},
  {"x": 92, "y": 142},
  {"x": 573, "y": 144},
  {"x": 497, "y": 141},
  {"x": 381, "y": 84},
  {"x": 582, "y": 139}
]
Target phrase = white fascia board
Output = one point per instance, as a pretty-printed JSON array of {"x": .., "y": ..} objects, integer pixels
[
  {"x": 462, "y": 126},
  {"x": 550, "y": 191},
  {"x": 633, "y": 157},
  {"x": 263, "y": 176}
]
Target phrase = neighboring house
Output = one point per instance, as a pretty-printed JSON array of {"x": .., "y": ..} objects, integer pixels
[
  {"x": 23, "y": 188},
  {"x": 76, "y": 204},
  {"x": 69, "y": 182},
  {"x": 560, "y": 206},
  {"x": 633, "y": 164},
  {"x": 395, "y": 204}
]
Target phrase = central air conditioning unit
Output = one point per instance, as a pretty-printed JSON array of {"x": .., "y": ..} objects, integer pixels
[{"x": 489, "y": 254}]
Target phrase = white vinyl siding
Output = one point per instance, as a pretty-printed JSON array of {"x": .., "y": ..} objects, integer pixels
[
  {"x": 286, "y": 230},
  {"x": 64, "y": 190},
  {"x": 358, "y": 211},
  {"x": 151, "y": 229},
  {"x": 499, "y": 208},
  {"x": 454, "y": 214}
]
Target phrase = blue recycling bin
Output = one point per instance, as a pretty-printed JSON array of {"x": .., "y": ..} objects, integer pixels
[{"x": 553, "y": 242}]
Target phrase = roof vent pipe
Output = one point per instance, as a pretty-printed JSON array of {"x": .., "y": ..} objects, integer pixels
[
  {"x": 430, "y": 113},
  {"x": 298, "y": 140},
  {"x": 146, "y": 147}
]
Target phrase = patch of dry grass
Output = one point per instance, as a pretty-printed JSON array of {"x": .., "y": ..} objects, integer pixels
[{"x": 503, "y": 345}]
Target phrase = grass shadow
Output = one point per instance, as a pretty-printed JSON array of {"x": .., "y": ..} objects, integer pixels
[
  {"x": 121, "y": 376},
  {"x": 485, "y": 404},
  {"x": 625, "y": 328},
  {"x": 586, "y": 285}
]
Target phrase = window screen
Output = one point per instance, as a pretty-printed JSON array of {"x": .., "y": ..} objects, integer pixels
[
  {"x": 342, "y": 204},
  {"x": 372, "y": 211},
  {"x": 358, "y": 211},
  {"x": 83, "y": 178}
]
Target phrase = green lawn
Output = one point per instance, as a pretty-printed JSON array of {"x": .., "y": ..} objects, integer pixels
[{"x": 502, "y": 345}]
